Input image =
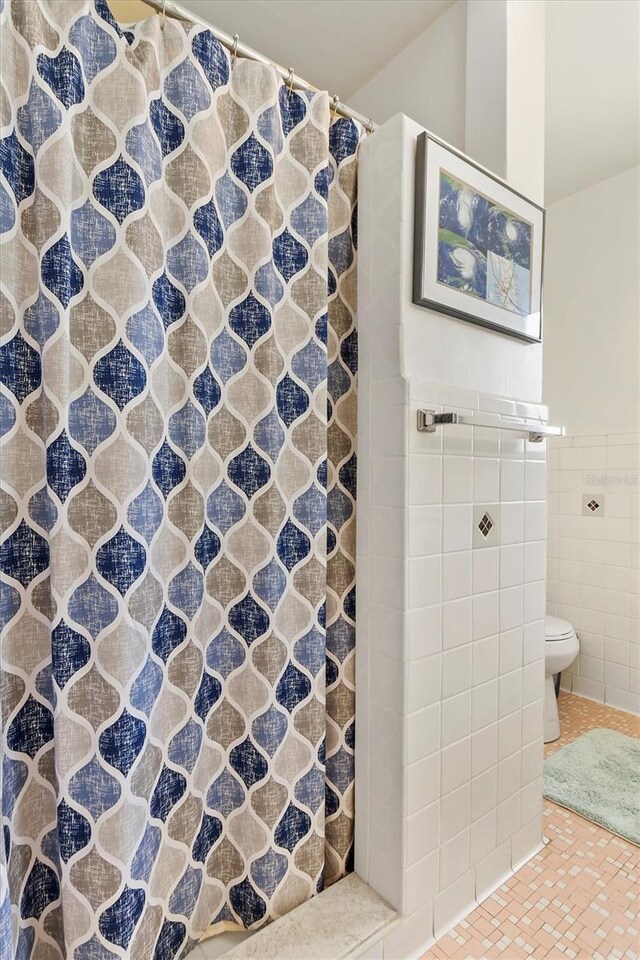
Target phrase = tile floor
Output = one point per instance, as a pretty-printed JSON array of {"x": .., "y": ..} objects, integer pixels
[{"x": 579, "y": 898}]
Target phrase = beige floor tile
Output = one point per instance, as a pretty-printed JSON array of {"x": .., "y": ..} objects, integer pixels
[{"x": 579, "y": 897}]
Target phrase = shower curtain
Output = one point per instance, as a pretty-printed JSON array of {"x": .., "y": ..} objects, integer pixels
[{"x": 178, "y": 361}]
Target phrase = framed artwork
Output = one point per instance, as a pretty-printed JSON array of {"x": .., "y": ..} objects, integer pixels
[{"x": 478, "y": 244}]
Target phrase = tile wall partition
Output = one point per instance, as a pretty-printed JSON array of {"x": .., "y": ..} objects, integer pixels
[
  {"x": 594, "y": 561},
  {"x": 450, "y": 662}
]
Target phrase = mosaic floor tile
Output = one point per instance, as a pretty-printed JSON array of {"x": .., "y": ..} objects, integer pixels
[{"x": 579, "y": 898}]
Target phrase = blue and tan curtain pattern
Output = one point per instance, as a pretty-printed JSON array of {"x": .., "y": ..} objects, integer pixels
[{"x": 177, "y": 408}]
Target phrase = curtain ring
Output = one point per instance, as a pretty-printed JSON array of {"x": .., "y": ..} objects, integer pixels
[
  {"x": 234, "y": 50},
  {"x": 163, "y": 14},
  {"x": 290, "y": 81}
]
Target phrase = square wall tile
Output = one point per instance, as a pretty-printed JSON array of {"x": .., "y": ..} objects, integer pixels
[
  {"x": 456, "y": 623},
  {"x": 456, "y": 718},
  {"x": 455, "y": 815},
  {"x": 535, "y": 520},
  {"x": 532, "y": 757},
  {"x": 484, "y": 660},
  {"x": 484, "y": 792},
  {"x": 535, "y": 560},
  {"x": 386, "y": 730},
  {"x": 485, "y": 617},
  {"x": 424, "y": 581},
  {"x": 458, "y": 438},
  {"x": 423, "y": 832},
  {"x": 423, "y": 682},
  {"x": 402, "y": 941},
  {"x": 484, "y": 705},
  {"x": 511, "y": 649},
  {"x": 388, "y": 481},
  {"x": 486, "y": 480},
  {"x": 531, "y": 796},
  {"x": 456, "y": 765},
  {"x": 509, "y": 772},
  {"x": 422, "y": 782},
  {"x": 388, "y": 635},
  {"x": 534, "y": 601},
  {"x": 454, "y": 859},
  {"x": 532, "y": 722},
  {"x": 535, "y": 480},
  {"x": 510, "y": 735},
  {"x": 511, "y": 565},
  {"x": 424, "y": 530},
  {"x": 457, "y": 479},
  {"x": 525, "y": 842},
  {"x": 511, "y": 608},
  {"x": 509, "y": 693},
  {"x": 512, "y": 480},
  {"x": 387, "y": 579},
  {"x": 456, "y": 575},
  {"x": 453, "y": 903},
  {"x": 387, "y": 531},
  {"x": 484, "y": 749},
  {"x": 425, "y": 479},
  {"x": 422, "y": 733},
  {"x": 386, "y": 680},
  {"x": 424, "y": 628},
  {"x": 457, "y": 527},
  {"x": 495, "y": 867},
  {"x": 456, "y": 671},
  {"x": 512, "y": 523},
  {"x": 482, "y": 837},
  {"x": 421, "y": 882},
  {"x": 508, "y": 818},
  {"x": 485, "y": 570}
]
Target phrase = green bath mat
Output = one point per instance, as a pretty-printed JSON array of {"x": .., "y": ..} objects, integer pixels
[{"x": 598, "y": 776}]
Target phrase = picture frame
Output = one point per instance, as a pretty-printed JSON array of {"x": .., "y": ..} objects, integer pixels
[{"x": 478, "y": 244}]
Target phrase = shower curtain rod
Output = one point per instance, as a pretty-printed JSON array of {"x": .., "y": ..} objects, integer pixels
[{"x": 170, "y": 9}]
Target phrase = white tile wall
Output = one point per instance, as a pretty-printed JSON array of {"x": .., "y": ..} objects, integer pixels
[
  {"x": 449, "y": 742},
  {"x": 594, "y": 562},
  {"x": 465, "y": 714}
]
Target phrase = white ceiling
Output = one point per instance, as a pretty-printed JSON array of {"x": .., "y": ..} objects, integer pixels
[
  {"x": 592, "y": 66},
  {"x": 592, "y": 93},
  {"x": 336, "y": 44}
]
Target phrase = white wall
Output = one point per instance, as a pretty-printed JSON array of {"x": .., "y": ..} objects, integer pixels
[
  {"x": 592, "y": 308},
  {"x": 592, "y": 112},
  {"x": 426, "y": 80},
  {"x": 592, "y": 386},
  {"x": 450, "y": 664},
  {"x": 594, "y": 562}
]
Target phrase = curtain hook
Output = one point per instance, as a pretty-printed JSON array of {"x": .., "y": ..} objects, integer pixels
[
  {"x": 290, "y": 81},
  {"x": 163, "y": 14},
  {"x": 335, "y": 101},
  {"x": 234, "y": 50}
]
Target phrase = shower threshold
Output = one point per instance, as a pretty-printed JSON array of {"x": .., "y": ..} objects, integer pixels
[{"x": 341, "y": 923}]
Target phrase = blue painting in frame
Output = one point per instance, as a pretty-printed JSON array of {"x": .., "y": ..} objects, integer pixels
[{"x": 478, "y": 244}]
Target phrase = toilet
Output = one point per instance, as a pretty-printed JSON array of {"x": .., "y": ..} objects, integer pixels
[{"x": 561, "y": 647}]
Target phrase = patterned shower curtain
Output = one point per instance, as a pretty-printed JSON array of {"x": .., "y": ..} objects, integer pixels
[{"x": 177, "y": 409}]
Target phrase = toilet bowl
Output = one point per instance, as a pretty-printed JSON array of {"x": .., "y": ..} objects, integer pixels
[{"x": 561, "y": 647}]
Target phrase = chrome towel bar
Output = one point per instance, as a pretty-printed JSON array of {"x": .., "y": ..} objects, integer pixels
[{"x": 429, "y": 420}]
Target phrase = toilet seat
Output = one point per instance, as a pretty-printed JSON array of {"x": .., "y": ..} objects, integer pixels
[{"x": 555, "y": 628}]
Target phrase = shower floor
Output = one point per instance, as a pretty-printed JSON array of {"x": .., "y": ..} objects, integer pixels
[
  {"x": 216, "y": 947},
  {"x": 578, "y": 898}
]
